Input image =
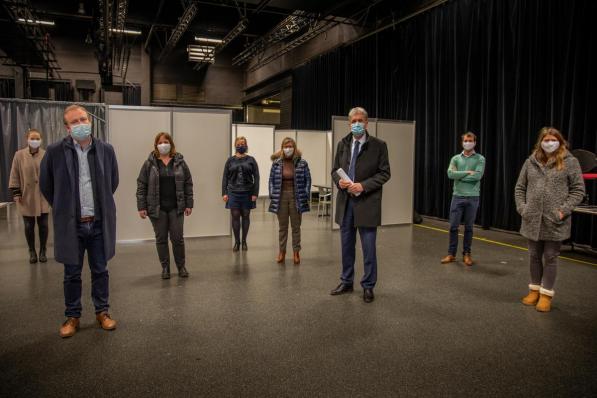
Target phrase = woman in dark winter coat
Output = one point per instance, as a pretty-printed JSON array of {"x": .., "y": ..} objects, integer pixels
[
  {"x": 549, "y": 187},
  {"x": 165, "y": 195},
  {"x": 240, "y": 189},
  {"x": 289, "y": 191}
]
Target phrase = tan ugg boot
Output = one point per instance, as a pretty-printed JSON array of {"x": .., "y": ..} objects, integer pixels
[
  {"x": 533, "y": 297},
  {"x": 544, "y": 304}
]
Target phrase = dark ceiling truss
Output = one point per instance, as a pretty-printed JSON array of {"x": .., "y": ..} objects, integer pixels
[
  {"x": 22, "y": 14},
  {"x": 182, "y": 26},
  {"x": 315, "y": 30},
  {"x": 240, "y": 27}
]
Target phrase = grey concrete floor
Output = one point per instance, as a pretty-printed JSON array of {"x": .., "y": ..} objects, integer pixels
[{"x": 243, "y": 325}]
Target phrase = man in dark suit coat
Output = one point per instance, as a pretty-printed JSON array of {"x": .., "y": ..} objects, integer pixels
[
  {"x": 358, "y": 205},
  {"x": 78, "y": 177}
]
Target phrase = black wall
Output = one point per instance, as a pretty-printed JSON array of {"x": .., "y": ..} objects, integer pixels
[{"x": 500, "y": 68}]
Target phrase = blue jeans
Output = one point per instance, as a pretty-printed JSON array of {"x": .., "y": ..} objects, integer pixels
[
  {"x": 462, "y": 209},
  {"x": 90, "y": 238},
  {"x": 368, "y": 235}
]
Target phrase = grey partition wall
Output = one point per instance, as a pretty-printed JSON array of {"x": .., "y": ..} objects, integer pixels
[
  {"x": 397, "y": 202},
  {"x": 202, "y": 136},
  {"x": 132, "y": 131},
  {"x": 314, "y": 144}
]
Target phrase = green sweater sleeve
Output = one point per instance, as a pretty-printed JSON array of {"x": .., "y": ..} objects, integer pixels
[
  {"x": 453, "y": 173},
  {"x": 479, "y": 170}
]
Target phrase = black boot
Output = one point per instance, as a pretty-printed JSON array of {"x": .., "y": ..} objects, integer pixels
[
  {"x": 182, "y": 272},
  {"x": 42, "y": 255},
  {"x": 245, "y": 248},
  {"x": 32, "y": 256},
  {"x": 236, "y": 247},
  {"x": 166, "y": 272}
]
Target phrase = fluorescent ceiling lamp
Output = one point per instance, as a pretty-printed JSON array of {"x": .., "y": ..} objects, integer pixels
[
  {"x": 192, "y": 48},
  {"x": 126, "y": 31},
  {"x": 208, "y": 40},
  {"x": 36, "y": 22},
  {"x": 269, "y": 110}
]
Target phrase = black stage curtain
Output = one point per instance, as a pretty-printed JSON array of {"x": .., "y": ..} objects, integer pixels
[{"x": 500, "y": 68}]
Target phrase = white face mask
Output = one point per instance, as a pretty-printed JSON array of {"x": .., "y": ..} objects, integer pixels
[
  {"x": 34, "y": 144},
  {"x": 164, "y": 149},
  {"x": 288, "y": 152},
  {"x": 550, "y": 146},
  {"x": 468, "y": 145}
]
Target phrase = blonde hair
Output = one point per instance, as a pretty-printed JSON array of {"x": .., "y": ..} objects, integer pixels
[
  {"x": 72, "y": 108},
  {"x": 28, "y": 133},
  {"x": 558, "y": 155},
  {"x": 280, "y": 153},
  {"x": 469, "y": 134},
  {"x": 241, "y": 138}
]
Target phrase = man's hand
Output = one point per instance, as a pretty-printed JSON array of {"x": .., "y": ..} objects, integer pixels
[
  {"x": 355, "y": 188},
  {"x": 471, "y": 172},
  {"x": 143, "y": 214},
  {"x": 225, "y": 198},
  {"x": 18, "y": 199},
  {"x": 344, "y": 184},
  {"x": 253, "y": 198},
  {"x": 188, "y": 211}
]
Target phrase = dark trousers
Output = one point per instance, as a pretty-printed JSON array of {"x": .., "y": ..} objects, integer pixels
[
  {"x": 462, "y": 209},
  {"x": 91, "y": 239},
  {"x": 169, "y": 223},
  {"x": 543, "y": 259},
  {"x": 368, "y": 235},
  {"x": 42, "y": 225}
]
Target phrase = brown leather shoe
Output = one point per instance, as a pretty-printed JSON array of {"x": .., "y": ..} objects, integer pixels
[
  {"x": 297, "y": 258},
  {"x": 468, "y": 260},
  {"x": 281, "y": 257},
  {"x": 69, "y": 327},
  {"x": 448, "y": 259},
  {"x": 104, "y": 320}
]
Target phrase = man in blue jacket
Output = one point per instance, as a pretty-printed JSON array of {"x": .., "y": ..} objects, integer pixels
[{"x": 78, "y": 177}]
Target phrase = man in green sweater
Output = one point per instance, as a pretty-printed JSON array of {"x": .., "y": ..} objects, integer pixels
[{"x": 466, "y": 169}]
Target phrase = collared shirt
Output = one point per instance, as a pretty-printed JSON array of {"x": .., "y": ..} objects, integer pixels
[
  {"x": 473, "y": 153},
  {"x": 85, "y": 183},
  {"x": 362, "y": 140}
]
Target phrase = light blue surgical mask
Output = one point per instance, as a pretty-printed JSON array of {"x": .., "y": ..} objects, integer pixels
[
  {"x": 357, "y": 129},
  {"x": 80, "y": 132}
]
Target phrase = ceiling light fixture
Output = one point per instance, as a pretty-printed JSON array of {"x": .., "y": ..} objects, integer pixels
[
  {"x": 126, "y": 31},
  {"x": 35, "y": 22},
  {"x": 208, "y": 40}
]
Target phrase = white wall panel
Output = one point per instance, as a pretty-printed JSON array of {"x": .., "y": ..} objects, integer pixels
[
  {"x": 203, "y": 137},
  {"x": 314, "y": 146},
  {"x": 260, "y": 140}
]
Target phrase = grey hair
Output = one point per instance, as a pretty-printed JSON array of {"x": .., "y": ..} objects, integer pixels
[{"x": 357, "y": 109}]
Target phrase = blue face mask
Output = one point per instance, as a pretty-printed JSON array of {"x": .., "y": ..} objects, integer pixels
[
  {"x": 241, "y": 149},
  {"x": 357, "y": 129},
  {"x": 80, "y": 132}
]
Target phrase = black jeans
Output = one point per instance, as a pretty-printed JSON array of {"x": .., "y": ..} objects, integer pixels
[
  {"x": 169, "y": 223},
  {"x": 42, "y": 225},
  {"x": 90, "y": 238}
]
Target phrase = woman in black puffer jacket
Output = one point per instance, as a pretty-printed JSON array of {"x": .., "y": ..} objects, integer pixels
[
  {"x": 290, "y": 194},
  {"x": 165, "y": 195}
]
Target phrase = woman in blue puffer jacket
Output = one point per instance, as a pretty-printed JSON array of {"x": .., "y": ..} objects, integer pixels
[{"x": 290, "y": 194}]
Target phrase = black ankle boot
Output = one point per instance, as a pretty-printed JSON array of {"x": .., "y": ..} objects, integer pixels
[
  {"x": 245, "y": 248},
  {"x": 182, "y": 272},
  {"x": 42, "y": 255},
  {"x": 236, "y": 247},
  {"x": 166, "y": 272},
  {"x": 32, "y": 256}
]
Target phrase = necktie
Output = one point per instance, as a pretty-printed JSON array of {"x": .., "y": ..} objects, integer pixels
[{"x": 353, "y": 160}]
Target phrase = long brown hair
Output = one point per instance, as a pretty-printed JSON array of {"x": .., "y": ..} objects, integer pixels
[
  {"x": 280, "y": 153},
  {"x": 167, "y": 136},
  {"x": 558, "y": 155}
]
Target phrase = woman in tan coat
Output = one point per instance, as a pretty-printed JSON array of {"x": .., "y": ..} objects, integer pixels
[{"x": 24, "y": 184}]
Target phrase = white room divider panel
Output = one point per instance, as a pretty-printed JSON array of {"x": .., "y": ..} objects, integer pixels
[
  {"x": 397, "y": 203},
  {"x": 132, "y": 132},
  {"x": 203, "y": 137},
  {"x": 314, "y": 146},
  {"x": 260, "y": 139}
]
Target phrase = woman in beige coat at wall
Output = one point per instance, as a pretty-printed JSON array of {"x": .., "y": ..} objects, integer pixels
[{"x": 24, "y": 184}]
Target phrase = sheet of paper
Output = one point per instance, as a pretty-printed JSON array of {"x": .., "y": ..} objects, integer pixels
[{"x": 342, "y": 174}]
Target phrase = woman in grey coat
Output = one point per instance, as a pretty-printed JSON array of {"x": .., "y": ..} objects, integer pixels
[
  {"x": 549, "y": 187},
  {"x": 165, "y": 195}
]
